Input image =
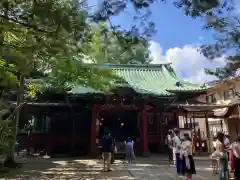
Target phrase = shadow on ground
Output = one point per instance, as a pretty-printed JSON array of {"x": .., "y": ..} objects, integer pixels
[
  {"x": 90, "y": 169},
  {"x": 75, "y": 169}
]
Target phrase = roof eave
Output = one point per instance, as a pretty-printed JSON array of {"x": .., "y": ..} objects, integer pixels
[{"x": 187, "y": 90}]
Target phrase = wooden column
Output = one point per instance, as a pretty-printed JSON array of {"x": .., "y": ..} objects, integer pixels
[
  {"x": 51, "y": 141},
  {"x": 93, "y": 147},
  {"x": 194, "y": 123},
  {"x": 221, "y": 124},
  {"x": 186, "y": 119},
  {"x": 144, "y": 132},
  {"x": 191, "y": 124},
  {"x": 207, "y": 132}
]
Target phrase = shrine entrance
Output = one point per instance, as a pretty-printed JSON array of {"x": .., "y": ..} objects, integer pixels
[{"x": 120, "y": 124}]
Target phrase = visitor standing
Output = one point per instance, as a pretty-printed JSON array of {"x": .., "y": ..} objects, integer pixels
[
  {"x": 215, "y": 160},
  {"x": 227, "y": 143},
  {"x": 130, "y": 156},
  {"x": 114, "y": 150},
  {"x": 188, "y": 165},
  {"x": 176, "y": 150},
  {"x": 235, "y": 158},
  {"x": 170, "y": 146},
  {"x": 107, "y": 147},
  {"x": 220, "y": 153}
]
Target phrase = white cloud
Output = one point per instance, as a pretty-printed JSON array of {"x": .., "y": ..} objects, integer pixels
[{"x": 187, "y": 61}]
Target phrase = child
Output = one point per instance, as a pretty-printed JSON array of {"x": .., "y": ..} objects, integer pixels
[{"x": 188, "y": 165}]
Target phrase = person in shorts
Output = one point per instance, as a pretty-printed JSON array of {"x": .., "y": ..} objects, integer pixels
[{"x": 107, "y": 148}]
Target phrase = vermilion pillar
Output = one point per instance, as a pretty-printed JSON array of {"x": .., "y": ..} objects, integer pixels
[
  {"x": 144, "y": 132},
  {"x": 51, "y": 141},
  {"x": 93, "y": 147}
]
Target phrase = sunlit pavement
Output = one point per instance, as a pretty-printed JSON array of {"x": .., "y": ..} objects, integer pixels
[{"x": 153, "y": 168}]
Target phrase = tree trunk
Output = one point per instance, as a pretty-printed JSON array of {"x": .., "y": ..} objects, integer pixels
[{"x": 10, "y": 159}]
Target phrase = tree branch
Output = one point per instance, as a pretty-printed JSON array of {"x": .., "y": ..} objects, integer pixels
[{"x": 26, "y": 25}]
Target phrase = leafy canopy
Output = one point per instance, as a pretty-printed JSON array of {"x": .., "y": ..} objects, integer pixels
[
  {"x": 225, "y": 21},
  {"x": 118, "y": 47},
  {"x": 46, "y": 37}
]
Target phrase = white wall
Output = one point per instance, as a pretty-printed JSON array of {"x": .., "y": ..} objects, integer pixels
[{"x": 219, "y": 89}]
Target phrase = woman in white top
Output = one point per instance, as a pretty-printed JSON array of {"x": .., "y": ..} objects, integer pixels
[
  {"x": 176, "y": 151},
  {"x": 220, "y": 154},
  {"x": 130, "y": 155},
  {"x": 188, "y": 165}
]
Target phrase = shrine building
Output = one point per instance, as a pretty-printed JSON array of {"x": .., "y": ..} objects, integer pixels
[{"x": 146, "y": 103}]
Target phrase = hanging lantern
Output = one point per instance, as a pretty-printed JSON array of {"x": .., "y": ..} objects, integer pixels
[{"x": 122, "y": 124}]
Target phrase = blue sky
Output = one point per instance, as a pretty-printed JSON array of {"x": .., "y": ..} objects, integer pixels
[
  {"x": 173, "y": 27},
  {"x": 176, "y": 39}
]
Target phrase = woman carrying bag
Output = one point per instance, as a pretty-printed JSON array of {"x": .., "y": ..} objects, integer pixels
[
  {"x": 221, "y": 154},
  {"x": 188, "y": 165}
]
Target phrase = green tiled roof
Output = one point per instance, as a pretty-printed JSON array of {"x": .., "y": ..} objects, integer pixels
[{"x": 154, "y": 79}]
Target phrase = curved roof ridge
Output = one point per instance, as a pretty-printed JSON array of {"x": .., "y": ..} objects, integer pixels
[{"x": 132, "y": 65}]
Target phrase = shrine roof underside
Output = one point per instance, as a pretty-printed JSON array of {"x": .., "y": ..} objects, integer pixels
[
  {"x": 151, "y": 79},
  {"x": 199, "y": 107}
]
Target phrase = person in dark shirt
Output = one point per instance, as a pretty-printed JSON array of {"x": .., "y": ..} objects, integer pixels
[{"x": 107, "y": 148}]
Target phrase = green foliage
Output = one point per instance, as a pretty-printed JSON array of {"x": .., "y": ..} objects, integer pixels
[
  {"x": 73, "y": 73},
  {"x": 117, "y": 47},
  {"x": 34, "y": 32},
  {"x": 109, "y": 8},
  {"x": 41, "y": 38},
  {"x": 225, "y": 22},
  {"x": 7, "y": 78},
  {"x": 5, "y": 128}
]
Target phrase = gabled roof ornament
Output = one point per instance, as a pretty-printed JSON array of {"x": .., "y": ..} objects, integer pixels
[
  {"x": 204, "y": 86},
  {"x": 134, "y": 62},
  {"x": 179, "y": 84}
]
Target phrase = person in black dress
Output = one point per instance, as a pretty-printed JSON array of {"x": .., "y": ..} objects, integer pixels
[{"x": 188, "y": 165}]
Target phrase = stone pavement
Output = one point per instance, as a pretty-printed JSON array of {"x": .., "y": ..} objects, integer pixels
[{"x": 152, "y": 168}]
